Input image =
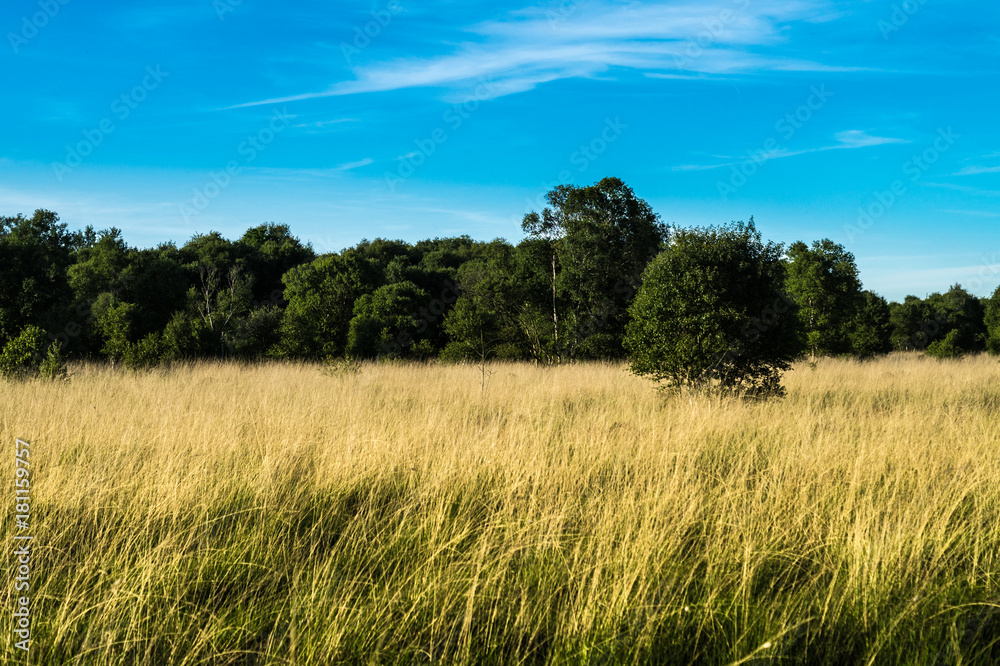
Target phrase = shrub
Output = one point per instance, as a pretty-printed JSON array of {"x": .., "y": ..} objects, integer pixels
[
  {"x": 28, "y": 355},
  {"x": 53, "y": 366},
  {"x": 710, "y": 314},
  {"x": 946, "y": 347},
  {"x": 145, "y": 354}
]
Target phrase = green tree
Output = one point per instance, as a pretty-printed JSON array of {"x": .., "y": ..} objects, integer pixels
[
  {"x": 270, "y": 250},
  {"x": 823, "y": 281},
  {"x": 113, "y": 319},
  {"x": 35, "y": 254},
  {"x": 30, "y": 354},
  {"x": 384, "y": 324},
  {"x": 991, "y": 320},
  {"x": 601, "y": 239},
  {"x": 918, "y": 323},
  {"x": 254, "y": 334},
  {"x": 100, "y": 267},
  {"x": 186, "y": 337},
  {"x": 487, "y": 319},
  {"x": 710, "y": 314},
  {"x": 321, "y": 296},
  {"x": 221, "y": 302},
  {"x": 871, "y": 328}
]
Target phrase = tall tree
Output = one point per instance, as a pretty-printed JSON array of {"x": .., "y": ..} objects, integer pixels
[
  {"x": 35, "y": 254},
  {"x": 871, "y": 329},
  {"x": 601, "y": 238},
  {"x": 495, "y": 316},
  {"x": 269, "y": 251},
  {"x": 991, "y": 320},
  {"x": 823, "y": 280}
]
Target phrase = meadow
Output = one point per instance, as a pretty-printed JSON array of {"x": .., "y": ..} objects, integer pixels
[{"x": 403, "y": 514}]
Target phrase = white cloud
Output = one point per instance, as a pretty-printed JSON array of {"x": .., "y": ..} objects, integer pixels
[
  {"x": 846, "y": 140},
  {"x": 975, "y": 213},
  {"x": 355, "y": 165},
  {"x": 533, "y": 46},
  {"x": 861, "y": 139},
  {"x": 976, "y": 170}
]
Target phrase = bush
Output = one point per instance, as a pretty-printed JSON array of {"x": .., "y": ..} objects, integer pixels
[
  {"x": 145, "y": 354},
  {"x": 28, "y": 355},
  {"x": 947, "y": 347},
  {"x": 185, "y": 338},
  {"x": 710, "y": 314},
  {"x": 53, "y": 366}
]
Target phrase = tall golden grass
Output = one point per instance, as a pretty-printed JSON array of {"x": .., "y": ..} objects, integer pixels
[{"x": 274, "y": 513}]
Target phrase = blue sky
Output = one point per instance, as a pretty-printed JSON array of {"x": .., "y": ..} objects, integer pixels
[{"x": 870, "y": 122}]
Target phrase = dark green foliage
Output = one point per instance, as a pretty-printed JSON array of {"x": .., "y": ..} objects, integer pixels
[
  {"x": 387, "y": 323},
  {"x": 144, "y": 354},
  {"x": 601, "y": 239},
  {"x": 992, "y": 322},
  {"x": 917, "y": 323},
  {"x": 186, "y": 337},
  {"x": 498, "y": 313},
  {"x": 253, "y": 335},
  {"x": 710, "y": 314},
  {"x": 114, "y": 322},
  {"x": 53, "y": 366},
  {"x": 321, "y": 296},
  {"x": 871, "y": 330},
  {"x": 563, "y": 293},
  {"x": 823, "y": 281},
  {"x": 221, "y": 302},
  {"x": 158, "y": 288},
  {"x": 35, "y": 253},
  {"x": 270, "y": 251},
  {"x": 101, "y": 267}
]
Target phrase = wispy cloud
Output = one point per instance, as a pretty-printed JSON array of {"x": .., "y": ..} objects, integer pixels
[
  {"x": 355, "y": 165},
  {"x": 324, "y": 125},
  {"x": 965, "y": 189},
  {"x": 528, "y": 47},
  {"x": 974, "y": 213},
  {"x": 861, "y": 139},
  {"x": 846, "y": 140},
  {"x": 976, "y": 170}
]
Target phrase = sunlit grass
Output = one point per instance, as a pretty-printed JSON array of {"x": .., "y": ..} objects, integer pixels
[{"x": 225, "y": 514}]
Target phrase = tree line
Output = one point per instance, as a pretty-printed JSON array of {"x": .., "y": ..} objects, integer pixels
[{"x": 597, "y": 276}]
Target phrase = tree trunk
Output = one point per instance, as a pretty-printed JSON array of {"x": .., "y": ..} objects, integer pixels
[{"x": 555, "y": 315}]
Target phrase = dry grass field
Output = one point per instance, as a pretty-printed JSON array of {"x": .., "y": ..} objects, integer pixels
[{"x": 277, "y": 514}]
